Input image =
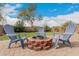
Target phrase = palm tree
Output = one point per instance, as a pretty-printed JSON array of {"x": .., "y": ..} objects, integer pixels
[{"x": 28, "y": 13}]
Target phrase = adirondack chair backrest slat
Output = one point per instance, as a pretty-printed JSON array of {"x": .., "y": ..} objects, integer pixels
[
  {"x": 10, "y": 30},
  {"x": 70, "y": 29},
  {"x": 41, "y": 31}
]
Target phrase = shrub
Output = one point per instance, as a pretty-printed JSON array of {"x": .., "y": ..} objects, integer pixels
[
  {"x": 19, "y": 26},
  {"x": 1, "y": 30},
  {"x": 30, "y": 29},
  {"x": 47, "y": 28},
  {"x": 19, "y": 29}
]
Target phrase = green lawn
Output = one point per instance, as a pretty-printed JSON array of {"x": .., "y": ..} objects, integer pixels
[{"x": 30, "y": 34}]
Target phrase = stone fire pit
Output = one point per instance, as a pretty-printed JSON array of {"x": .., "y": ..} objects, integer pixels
[{"x": 39, "y": 43}]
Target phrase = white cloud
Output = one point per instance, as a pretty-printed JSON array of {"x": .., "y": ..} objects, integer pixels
[
  {"x": 10, "y": 20},
  {"x": 11, "y": 9},
  {"x": 61, "y": 19},
  {"x": 69, "y": 9},
  {"x": 18, "y": 5},
  {"x": 39, "y": 23},
  {"x": 75, "y": 7},
  {"x": 7, "y": 5},
  {"x": 53, "y": 20},
  {"x": 50, "y": 21}
]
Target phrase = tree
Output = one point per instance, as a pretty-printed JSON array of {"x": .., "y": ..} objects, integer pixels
[
  {"x": 2, "y": 18},
  {"x": 47, "y": 28},
  {"x": 1, "y": 6},
  {"x": 28, "y": 13},
  {"x": 40, "y": 17},
  {"x": 19, "y": 26}
]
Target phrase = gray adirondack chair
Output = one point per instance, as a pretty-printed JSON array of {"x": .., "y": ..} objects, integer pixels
[
  {"x": 65, "y": 36},
  {"x": 41, "y": 32},
  {"x": 14, "y": 38}
]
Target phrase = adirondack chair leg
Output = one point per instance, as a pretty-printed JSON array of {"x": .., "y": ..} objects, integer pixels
[
  {"x": 56, "y": 44},
  {"x": 26, "y": 39},
  {"x": 22, "y": 43},
  {"x": 9, "y": 45},
  {"x": 63, "y": 42},
  {"x": 69, "y": 44},
  {"x": 16, "y": 42}
]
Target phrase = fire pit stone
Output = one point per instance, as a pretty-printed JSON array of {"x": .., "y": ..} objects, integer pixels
[{"x": 39, "y": 43}]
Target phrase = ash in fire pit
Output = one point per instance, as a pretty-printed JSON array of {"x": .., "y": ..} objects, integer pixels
[{"x": 38, "y": 37}]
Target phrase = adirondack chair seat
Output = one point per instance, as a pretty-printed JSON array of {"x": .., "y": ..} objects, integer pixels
[
  {"x": 18, "y": 37},
  {"x": 61, "y": 36},
  {"x": 40, "y": 34},
  {"x": 16, "y": 40}
]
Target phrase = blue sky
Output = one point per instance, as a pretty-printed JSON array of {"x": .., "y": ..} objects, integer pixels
[{"x": 44, "y": 9}]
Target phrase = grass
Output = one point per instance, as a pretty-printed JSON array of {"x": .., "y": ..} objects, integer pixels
[{"x": 30, "y": 34}]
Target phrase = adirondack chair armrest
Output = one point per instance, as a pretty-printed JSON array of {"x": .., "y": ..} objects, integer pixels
[
  {"x": 66, "y": 33},
  {"x": 25, "y": 34},
  {"x": 11, "y": 34},
  {"x": 18, "y": 35},
  {"x": 56, "y": 35},
  {"x": 61, "y": 35},
  {"x": 40, "y": 33}
]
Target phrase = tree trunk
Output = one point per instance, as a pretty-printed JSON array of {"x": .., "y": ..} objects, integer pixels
[{"x": 31, "y": 22}]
